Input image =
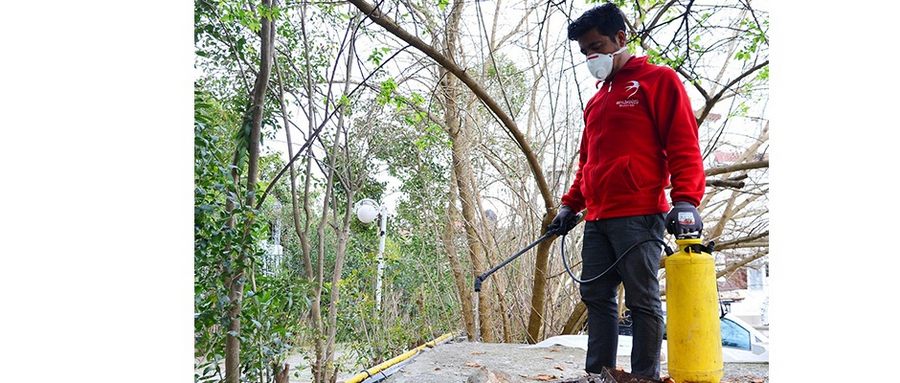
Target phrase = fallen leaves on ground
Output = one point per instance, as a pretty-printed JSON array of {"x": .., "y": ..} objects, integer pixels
[
  {"x": 478, "y": 352},
  {"x": 472, "y": 364},
  {"x": 544, "y": 377},
  {"x": 558, "y": 368}
]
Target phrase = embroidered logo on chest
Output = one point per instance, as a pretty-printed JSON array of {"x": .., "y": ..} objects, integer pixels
[{"x": 631, "y": 89}]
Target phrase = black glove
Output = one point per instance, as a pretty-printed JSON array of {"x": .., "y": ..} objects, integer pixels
[
  {"x": 564, "y": 221},
  {"x": 683, "y": 219}
]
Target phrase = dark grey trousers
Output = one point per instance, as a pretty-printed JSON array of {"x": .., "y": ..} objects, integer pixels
[{"x": 604, "y": 240}]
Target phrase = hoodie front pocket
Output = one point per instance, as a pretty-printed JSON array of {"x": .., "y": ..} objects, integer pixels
[{"x": 616, "y": 178}]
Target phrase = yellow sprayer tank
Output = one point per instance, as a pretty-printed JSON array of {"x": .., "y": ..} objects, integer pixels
[{"x": 692, "y": 315}]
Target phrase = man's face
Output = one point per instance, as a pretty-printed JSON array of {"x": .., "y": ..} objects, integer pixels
[{"x": 593, "y": 42}]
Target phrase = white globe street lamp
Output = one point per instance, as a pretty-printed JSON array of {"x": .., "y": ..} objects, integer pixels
[{"x": 366, "y": 211}]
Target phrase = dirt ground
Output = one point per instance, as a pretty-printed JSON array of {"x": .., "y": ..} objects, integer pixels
[{"x": 455, "y": 362}]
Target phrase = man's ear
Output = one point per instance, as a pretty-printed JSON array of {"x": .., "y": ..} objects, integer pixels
[{"x": 621, "y": 38}]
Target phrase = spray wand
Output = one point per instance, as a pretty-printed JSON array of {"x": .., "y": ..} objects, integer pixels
[{"x": 479, "y": 279}]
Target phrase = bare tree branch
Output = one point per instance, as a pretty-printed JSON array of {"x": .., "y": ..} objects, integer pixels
[
  {"x": 734, "y": 168},
  {"x": 725, "y": 183},
  {"x": 659, "y": 15},
  {"x": 724, "y": 245},
  {"x": 318, "y": 130},
  {"x": 383, "y": 20},
  {"x": 718, "y": 96},
  {"x": 736, "y": 265}
]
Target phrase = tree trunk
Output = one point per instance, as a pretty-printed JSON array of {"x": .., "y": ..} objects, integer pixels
[
  {"x": 489, "y": 243},
  {"x": 320, "y": 368},
  {"x": 539, "y": 288},
  {"x": 235, "y": 282},
  {"x": 470, "y": 216},
  {"x": 462, "y": 288},
  {"x": 317, "y": 276},
  {"x": 295, "y": 208},
  {"x": 343, "y": 234},
  {"x": 282, "y": 373},
  {"x": 539, "y": 284},
  {"x": 621, "y": 299},
  {"x": 460, "y": 151},
  {"x": 576, "y": 320},
  {"x": 340, "y": 253},
  {"x": 311, "y": 113}
]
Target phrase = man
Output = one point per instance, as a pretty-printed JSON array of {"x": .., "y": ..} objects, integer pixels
[{"x": 639, "y": 132}]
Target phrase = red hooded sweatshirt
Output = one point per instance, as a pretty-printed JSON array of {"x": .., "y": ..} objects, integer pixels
[{"x": 638, "y": 129}]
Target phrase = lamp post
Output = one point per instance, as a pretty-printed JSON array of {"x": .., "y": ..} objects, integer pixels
[{"x": 366, "y": 211}]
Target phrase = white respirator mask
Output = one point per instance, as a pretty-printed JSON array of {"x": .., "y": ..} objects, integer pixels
[{"x": 600, "y": 65}]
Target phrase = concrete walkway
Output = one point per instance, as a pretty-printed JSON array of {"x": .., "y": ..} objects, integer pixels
[{"x": 457, "y": 361}]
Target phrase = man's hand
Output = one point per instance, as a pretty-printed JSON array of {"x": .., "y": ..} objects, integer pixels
[
  {"x": 564, "y": 221},
  {"x": 683, "y": 219}
]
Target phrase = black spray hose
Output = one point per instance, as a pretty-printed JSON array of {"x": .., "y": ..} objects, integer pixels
[
  {"x": 562, "y": 252},
  {"x": 481, "y": 278}
]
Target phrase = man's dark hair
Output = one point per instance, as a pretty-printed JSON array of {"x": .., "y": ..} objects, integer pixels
[{"x": 606, "y": 18}]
